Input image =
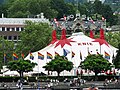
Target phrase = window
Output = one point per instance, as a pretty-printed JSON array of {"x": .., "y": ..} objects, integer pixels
[
  {"x": 15, "y": 37},
  {"x": 8, "y": 29},
  {"x": 5, "y": 37},
  {"x": 9, "y": 37},
  {"x": 13, "y": 29},
  {"x": 17, "y": 28},
  {"x": 3, "y": 28},
  {"x": 22, "y": 28},
  {"x": 18, "y": 37}
]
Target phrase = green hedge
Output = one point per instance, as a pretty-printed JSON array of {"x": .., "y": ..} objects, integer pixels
[{"x": 47, "y": 78}]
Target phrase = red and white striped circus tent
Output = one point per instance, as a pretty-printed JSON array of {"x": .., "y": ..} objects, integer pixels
[{"x": 76, "y": 48}]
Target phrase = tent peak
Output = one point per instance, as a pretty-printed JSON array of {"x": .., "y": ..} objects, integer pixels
[
  {"x": 91, "y": 34},
  {"x": 54, "y": 37},
  {"x": 63, "y": 34},
  {"x": 102, "y": 33}
]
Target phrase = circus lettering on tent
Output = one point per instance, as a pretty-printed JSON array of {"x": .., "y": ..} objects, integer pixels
[{"x": 85, "y": 43}]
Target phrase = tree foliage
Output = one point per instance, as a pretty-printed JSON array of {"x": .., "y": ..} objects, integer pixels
[
  {"x": 62, "y": 8},
  {"x": 116, "y": 60},
  {"x": 56, "y": 8},
  {"x": 59, "y": 64},
  {"x": 113, "y": 38},
  {"x": 6, "y": 47},
  {"x": 25, "y": 8},
  {"x": 37, "y": 6},
  {"x": 95, "y": 63},
  {"x": 34, "y": 37},
  {"x": 1, "y": 65},
  {"x": 102, "y": 9},
  {"x": 21, "y": 66}
]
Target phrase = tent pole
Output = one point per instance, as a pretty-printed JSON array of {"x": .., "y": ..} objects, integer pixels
[
  {"x": 100, "y": 49},
  {"x": 38, "y": 77}
]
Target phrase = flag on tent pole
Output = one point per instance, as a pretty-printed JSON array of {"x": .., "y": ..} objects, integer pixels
[
  {"x": 56, "y": 22},
  {"x": 56, "y": 54},
  {"x": 31, "y": 56},
  {"x": 65, "y": 18},
  {"x": 103, "y": 19},
  {"x": 113, "y": 57},
  {"x": 92, "y": 21},
  {"x": 73, "y": 54},
  {"x": 15, "y": 57},
  {"x": 65, "y": 52},
  {"x": 89, "y": 52},
  {"x": 97, "y": 53},
  {"x": 40, "y": 56},
  {"x": 49, "y": 56},
  {"x": 107, "y": 56},
  {"x": 5, "y": 57},
  {"x": 80, "y": 55},
  {"x": 22, "y": 55}
]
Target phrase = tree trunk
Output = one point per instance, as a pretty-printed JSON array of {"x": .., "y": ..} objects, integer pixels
[
  {"x": 21, "y": 76},
  {"x": 58, "y": 75},
  {"x": 96, "y": 78}
]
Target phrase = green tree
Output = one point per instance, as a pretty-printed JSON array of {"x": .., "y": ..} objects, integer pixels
[
  {"x": 62, "y": 8},
  {"x": 89, "y": 9},
  {"x": 113, "y": 38},
  {"x": 21, "y": 66},
  {"x": 6, "y": 47},
  {"x": 1, "y": 65},
  {"x": 102, "y": 9},
  {"x": 37, "y": 6},
  {"x": 108, "y": 14},
  {"x": 98, "y": 6},
  {"x": 34, "y": 37},
  {"x": 83, "y": 9},
  {"x": 25, "y": 8},
  {"x": 95, "y": 63},
  {"x": 59, "y": 64},
  {"x": 116, "y": 60},
  {"x": 3, "y": 9},
  {"x": 1, "y": 1},
  {"x": 118, "y": 23},
  {"x": 17, "y": 8}
]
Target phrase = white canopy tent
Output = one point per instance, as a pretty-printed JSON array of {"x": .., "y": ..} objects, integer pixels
[{"x": 11, "y": 73}]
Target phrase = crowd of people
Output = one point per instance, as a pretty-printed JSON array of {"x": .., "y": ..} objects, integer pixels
[{"x": 112, "y": 80}]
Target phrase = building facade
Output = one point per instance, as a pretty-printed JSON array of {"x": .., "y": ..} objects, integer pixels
[{"x": 10, "y": 28}]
